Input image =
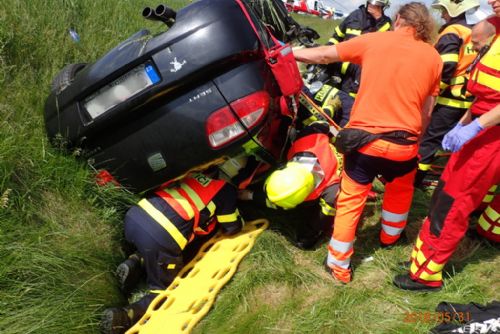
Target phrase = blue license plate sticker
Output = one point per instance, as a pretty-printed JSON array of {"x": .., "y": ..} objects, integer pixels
[{"x": 152, "y": 74}]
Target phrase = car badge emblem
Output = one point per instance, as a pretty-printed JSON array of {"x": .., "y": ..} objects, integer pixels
[
  {"x": 177, "y": 65},
  {"x": 157, "y": 162}
]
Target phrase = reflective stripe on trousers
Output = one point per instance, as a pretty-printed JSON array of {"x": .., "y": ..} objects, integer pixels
[
  {"x": 339, "y": 253},
  {"x": 423, "y": 268},
  {"x": 392, "y": 226},
  {"x": 488, "y": 224},
  {"x": 490, "y": 195},
  {"x": 395, "y": 207}
]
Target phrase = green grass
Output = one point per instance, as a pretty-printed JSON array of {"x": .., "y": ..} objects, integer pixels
[{"x": 60, "y": 235}]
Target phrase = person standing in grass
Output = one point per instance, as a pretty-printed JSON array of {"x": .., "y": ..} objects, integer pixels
[
  {"x": 161, "y": 227},
  {"x": 457, "y": 52},
  {"x": 401, "y": 74},
  {"x": 488, "y": 225},
  {"x": 472, "y": 169}
]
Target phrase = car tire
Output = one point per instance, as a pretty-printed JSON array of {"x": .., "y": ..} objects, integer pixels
[{"x": 65, "y": 77}]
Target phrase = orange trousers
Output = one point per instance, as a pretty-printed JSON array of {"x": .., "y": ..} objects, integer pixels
[{"x": 397, "y": 164}]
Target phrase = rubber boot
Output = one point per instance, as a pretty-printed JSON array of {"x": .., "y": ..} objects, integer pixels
[
  {"x": 129, "y": 273},
  {"x": 406, "y": 283}
]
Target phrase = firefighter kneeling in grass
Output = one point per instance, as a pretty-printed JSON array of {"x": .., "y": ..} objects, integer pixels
[
  {"x": 309, "y": 177},
  {"x": 160, "y": 227}
]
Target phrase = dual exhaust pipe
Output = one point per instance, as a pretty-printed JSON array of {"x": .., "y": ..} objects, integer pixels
[{"x": 161, "y": 13}]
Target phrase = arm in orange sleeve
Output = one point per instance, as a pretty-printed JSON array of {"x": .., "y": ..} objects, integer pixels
[
  {"x": 351, "y": 51},
  {"x": 319, "y": 55}
]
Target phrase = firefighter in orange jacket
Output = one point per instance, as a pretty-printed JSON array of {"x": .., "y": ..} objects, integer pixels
[
  {"x": 470, "y": 172},
  {"x": 457, "y": 52},
  {"x": 160, "y": 227},
  {"x": 308, "y": 178}
]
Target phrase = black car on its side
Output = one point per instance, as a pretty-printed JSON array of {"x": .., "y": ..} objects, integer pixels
[{"x": 158, "y": 106}]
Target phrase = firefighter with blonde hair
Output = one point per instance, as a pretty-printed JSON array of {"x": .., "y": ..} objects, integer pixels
[{"x": 381, "y": 137}]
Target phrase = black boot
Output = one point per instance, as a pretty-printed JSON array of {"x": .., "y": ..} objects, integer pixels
[
  {"x": 115, "y": 321},
  {"x": 406, "y": 283},
  {"x": 310, "y": 241},
  {"x": 118, "y": 320},
  {"x": 129, "y": 273}
]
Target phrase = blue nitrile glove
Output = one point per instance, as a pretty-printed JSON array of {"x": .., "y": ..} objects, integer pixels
[
  {"x": 463, "y": 135},
  {"x": 447, "y": 140}
]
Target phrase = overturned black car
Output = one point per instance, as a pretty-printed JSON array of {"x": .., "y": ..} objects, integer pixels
[{"x": 157, "y": 107}]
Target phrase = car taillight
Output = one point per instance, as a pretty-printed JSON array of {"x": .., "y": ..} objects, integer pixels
[{"x": 222, "y": 126}]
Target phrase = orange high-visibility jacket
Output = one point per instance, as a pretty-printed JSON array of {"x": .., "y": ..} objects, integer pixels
[
  {"x": 455, "y": 47},
  {"x": 485, "y": 80},
  {"x": 193, "y": 195}
]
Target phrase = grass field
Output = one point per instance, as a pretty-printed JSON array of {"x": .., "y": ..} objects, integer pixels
[{"x": 60, "y": 234}]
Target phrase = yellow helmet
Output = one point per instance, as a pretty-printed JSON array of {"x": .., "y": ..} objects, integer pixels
[
  {"x": 290, "y": 186},
  {"x": 455, "y": 7}
]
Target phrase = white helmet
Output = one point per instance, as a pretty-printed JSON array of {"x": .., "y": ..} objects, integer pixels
[
  {"x": 455, "y": 7},
  {"x": 381, "y": 3}
]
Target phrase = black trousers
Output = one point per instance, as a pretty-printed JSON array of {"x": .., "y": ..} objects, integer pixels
[
  {"x": 443, "y": 119},
  {"x": 317, "y": 220},
  {"x": 162, "y": 256}
]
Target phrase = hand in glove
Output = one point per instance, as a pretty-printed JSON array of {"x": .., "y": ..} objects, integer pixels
[
  {"x": 447, "y": 140},
  {"x": 457, "y": 137}
]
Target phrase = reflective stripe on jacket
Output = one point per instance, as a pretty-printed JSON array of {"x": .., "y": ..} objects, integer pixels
[
  {"x": 455, "y": 47},
  {"x": 357, "y": 23},
  {"x": 193, "y": 195},
  {"x": 485, "y": 80}
]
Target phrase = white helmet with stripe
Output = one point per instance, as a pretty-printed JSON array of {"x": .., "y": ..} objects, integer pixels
[
  {"x": 456, "y": 7},
  {"x": 381, "y": 3}
]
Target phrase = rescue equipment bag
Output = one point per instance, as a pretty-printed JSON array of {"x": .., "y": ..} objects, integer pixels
[{"x": 468, "y": 318}]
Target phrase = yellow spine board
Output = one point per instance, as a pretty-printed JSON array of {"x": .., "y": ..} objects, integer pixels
[{"x": 186, "y": 301}]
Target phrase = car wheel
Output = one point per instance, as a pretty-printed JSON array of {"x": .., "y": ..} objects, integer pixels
[{"x": 65, "y": 77}]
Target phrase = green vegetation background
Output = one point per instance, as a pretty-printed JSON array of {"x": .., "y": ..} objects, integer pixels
[{"x": 60, "y": 234}]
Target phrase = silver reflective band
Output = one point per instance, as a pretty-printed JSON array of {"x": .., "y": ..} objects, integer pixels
[
  {"x": 392, "y": 231},
  {"x": 340, "y": 246},
  {"x": 394, "y": 217},
  {"x": 331, "y": 260}
]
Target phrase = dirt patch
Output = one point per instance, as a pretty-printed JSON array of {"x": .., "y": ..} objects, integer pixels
[
  {"x": 320, "y": 291},
  {"x": 272, "y": 295},
  {"x": 372, "y": 279}
]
